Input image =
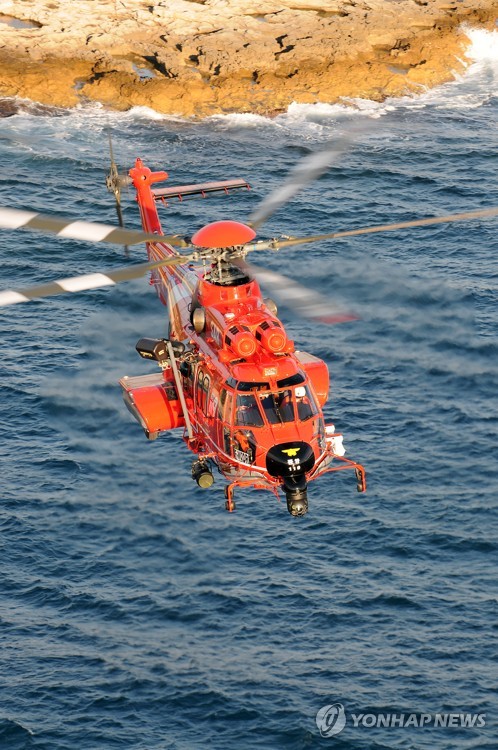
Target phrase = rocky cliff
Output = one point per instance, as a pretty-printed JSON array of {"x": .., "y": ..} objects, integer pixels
[{"x": 198, "y": 57}]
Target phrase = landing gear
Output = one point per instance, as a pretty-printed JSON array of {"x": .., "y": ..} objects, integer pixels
[
  {"x": 229, "y": 504},
  {"x": 361, "y": 479},
  {"x": 201, "y": 473}
]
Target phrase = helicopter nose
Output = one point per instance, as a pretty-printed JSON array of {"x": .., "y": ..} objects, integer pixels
[
  {"x": 290, "y": 462},
  {"x": 290, "y": 459}
]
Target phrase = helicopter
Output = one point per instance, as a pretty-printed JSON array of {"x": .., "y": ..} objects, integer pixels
[{"x": 248, "y": 403}]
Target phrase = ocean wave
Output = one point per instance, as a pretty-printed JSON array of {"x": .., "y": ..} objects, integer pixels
[
  {"x": 483, "y": 44},
  {"x": 15, "y": 735},
  {"x": 468, "y": 91}
]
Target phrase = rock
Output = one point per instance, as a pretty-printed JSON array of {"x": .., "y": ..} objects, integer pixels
[
  {"x": 199, "y": 57},
  {"x": 8, "y": 107}
]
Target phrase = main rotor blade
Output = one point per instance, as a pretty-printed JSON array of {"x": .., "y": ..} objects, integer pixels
[
  {"x": 307, "y": 303},
  {"x": 119, "y": 212},
  {"x": 308, "y": 169},
  {"x": 276, "y": 244},
  {"x": 86, "y": 281},
  {"x": 11, "y": 218}
]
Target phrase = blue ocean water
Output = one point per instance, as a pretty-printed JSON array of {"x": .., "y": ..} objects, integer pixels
[{"x": 135, "y": 613}]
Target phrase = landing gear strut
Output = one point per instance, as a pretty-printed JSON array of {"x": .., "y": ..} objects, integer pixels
[
  {"x": 361, "y": 479},
  {"x": 229, "y": 504}
]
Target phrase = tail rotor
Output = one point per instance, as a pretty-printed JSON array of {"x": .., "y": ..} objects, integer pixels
[{"x": 115, "y": 182}]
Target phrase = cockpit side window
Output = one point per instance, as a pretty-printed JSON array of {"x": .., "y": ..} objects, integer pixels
[
  {"x": 306, "y": 406},
  {"x": 221, "y": 403},
  {"x": 247, "y": 413},
  {"x": 227, "y": 414}
]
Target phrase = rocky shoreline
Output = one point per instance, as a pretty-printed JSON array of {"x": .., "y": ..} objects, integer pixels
[{"x": 201, "y": 57}]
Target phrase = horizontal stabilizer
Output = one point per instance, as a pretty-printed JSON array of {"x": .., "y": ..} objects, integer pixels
[{"x": 203, "y": 189}]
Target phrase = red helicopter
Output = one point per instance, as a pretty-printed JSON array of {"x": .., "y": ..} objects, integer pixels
[{"x": 247, "y": 401}]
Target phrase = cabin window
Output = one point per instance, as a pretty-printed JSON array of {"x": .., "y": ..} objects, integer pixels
[
  {"x": 278, "y": 407},
  {"x": 204, "y": 393},
  {"x": 244, "y": 446},
  {"x": 203, "y": 382},
  {"x": 200, "y": 379},
  {"x": 213, "y": 402},
  {"x": 247, "y": 413}
]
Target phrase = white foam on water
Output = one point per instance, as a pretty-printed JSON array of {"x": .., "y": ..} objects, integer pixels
[
  {"x": 146, "y": 113},
  {"x": 469, "y": 90},
  {"x": 349, "y": 108},
  {"x": 315, "y": 116},
  {"x": 476, "y": 85},
  {"x": 242, "y": 119},
  {"x": 483, "y": 45}
]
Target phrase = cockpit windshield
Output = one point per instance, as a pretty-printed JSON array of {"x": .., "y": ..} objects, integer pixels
[
  {"x": 277, "y": 407},
  {"x": 247, "y": 413}
]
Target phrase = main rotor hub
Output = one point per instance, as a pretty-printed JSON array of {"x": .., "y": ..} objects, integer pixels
[{"x": 222, "y": 234}]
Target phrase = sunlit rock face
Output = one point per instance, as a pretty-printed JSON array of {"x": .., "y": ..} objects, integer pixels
[{"x": 200, "y": 57}]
